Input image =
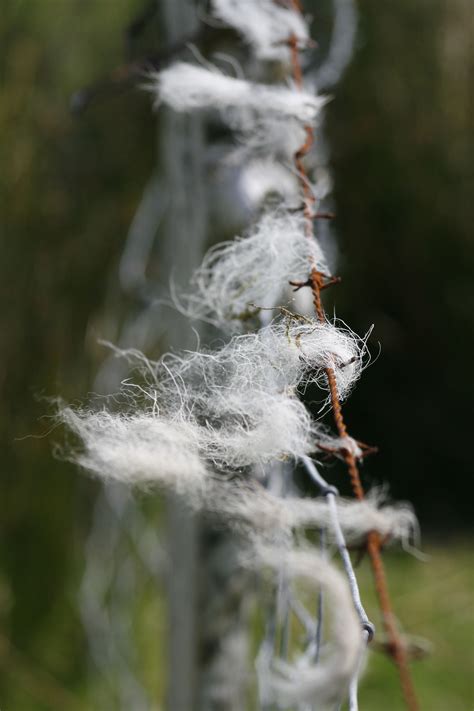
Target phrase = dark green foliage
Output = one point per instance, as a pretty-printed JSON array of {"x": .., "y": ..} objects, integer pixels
[
  {"x": 401, "y": 131},
  {"x": 68, "y": 189},
  {"x": 402, "y": 144}
]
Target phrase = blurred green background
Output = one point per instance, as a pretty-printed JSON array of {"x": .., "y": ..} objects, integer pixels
[{"x": 402, "y": 145}]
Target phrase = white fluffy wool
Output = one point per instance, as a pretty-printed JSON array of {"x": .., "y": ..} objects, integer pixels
[
  {"x": 139, "y": 449},
  {"x": 393, "y": 521},
  {"x": 236, "y": 276},
  {"x": 326, "y": 682},
  {"x": 263, "y": 516},
  {"x": 242, "y": 383},
  {"x": 269, "y": 119},
  {"x": 187, "y": 87},
  {"x": 265, "y": 25},
  {"x": 274, "y": 135},
  {"x": 147, "y": 450},
  {"x": 259, "y": 178},
  {"x": 233, "y": 407},
  {"x": 270, "y": 428},
  {"x": 304, "y": 349}
]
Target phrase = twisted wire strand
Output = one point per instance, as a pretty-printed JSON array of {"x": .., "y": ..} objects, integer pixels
[
  {"x": 368, "y": 628},
  {"x": 354, "y": 685},
  {"x": 397, "y": 649},
  {"x": 320, "y": 603},
  {"x": 330, "y": 493}
]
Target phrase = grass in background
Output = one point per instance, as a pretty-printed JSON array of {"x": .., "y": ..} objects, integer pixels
[{"x": 435, "y": 601}]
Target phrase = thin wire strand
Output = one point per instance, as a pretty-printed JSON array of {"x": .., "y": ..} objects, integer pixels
[
  {"x": 368, "y": 629},
  {"x": 320, "y": 602},
  {"x": 373, "y": 542},
  {"x": 331, "y": 493},
  {"x": 354, "y": 685}
]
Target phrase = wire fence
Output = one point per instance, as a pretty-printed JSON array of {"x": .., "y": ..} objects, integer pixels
[{"x": 120, "y": 525}]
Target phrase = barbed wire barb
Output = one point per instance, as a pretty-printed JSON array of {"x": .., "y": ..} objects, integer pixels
[{"x": 317, "y": 281}]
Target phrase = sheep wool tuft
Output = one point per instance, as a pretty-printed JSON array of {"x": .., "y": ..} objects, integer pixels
[
  {"x": 237, "y": 277},
  {"x": 188, "y": 87},
  {"x": 265, "y": 25}
]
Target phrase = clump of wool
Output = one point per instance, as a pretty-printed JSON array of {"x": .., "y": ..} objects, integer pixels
[
  {"x": 236, "y": 277},
  {"x": 288, "y": 684},
  {"x": 186, "y": 87},
  {"x": 265, "y": 25}
]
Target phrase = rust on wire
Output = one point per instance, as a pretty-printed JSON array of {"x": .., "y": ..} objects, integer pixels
[
  {"x": 316, "y": 216},
  {"x": 325, "y": 216},
  {"x": 374, "y": 541},
  {"x": 366, "y": 450},
  {"x": 330, "y": 281}
]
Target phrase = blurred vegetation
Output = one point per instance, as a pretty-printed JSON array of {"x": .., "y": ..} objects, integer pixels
[
  {"x": 402, "y": 134},
  {"x": 68, "y": 190},
  {"x": 433, "y": 599},
  {"x": 402, "y": 144}
]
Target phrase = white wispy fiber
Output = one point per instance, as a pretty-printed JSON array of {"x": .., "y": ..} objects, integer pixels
[
  {"x": 187, "y": 87},
  {"x": 274, "y": 362},
  {"x": 326, "y": 682},
  {"x": 273, "y": 135},
  {"x": 265, "y": 25},
  {"x": 269, "y": 120},
  {"x": 253, "y": 433},
  {"x": 236, "y": 276},
  {"x": 139, "y": 449},
  {"x": 267, "y": 517},
  {"x": 146, "y": 450},
  {"x": 260, "y": 178},
  {"x": 233, "y": 407}
]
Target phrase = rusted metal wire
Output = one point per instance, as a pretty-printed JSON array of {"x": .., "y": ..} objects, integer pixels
[{"x": 317, "y": 279}]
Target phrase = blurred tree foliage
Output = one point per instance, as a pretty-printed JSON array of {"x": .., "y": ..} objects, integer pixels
[
  {"x": 402, "y": 135},
  {"x": 402, "y": 144},
  {"x": 68, "y": 190}
]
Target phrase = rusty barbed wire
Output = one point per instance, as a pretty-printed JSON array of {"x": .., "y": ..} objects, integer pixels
[{"x": 317, "y": 283}]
